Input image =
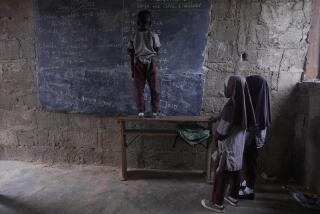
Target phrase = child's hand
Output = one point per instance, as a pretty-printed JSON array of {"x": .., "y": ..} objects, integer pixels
[
  {"x": 215, "y": 117},
  {"x": 219, "y": 137},
  {"x": 216, "y": 137}
]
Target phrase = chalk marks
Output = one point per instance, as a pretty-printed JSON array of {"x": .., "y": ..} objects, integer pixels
[{"x": 82, "y": 59}]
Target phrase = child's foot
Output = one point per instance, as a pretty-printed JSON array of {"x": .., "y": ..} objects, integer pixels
[
  {"x": 141, "y": 114},
  {"x": 246, "y": 194},
  {"x": 232, "y": 201},
  {"x": 214, "y": 207},
  {"x": 243, "y": 184},
  {"x": 157, "y": 114}
]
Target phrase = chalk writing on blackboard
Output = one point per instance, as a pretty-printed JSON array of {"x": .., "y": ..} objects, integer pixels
[{"x": 82, "y": 60}]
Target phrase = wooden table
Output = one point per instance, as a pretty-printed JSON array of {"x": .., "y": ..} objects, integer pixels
[{"x": 162, "y": 133}]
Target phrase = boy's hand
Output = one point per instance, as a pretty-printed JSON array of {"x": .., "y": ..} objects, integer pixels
[{"x": 132, "y": 71}]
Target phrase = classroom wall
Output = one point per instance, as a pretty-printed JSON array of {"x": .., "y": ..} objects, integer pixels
[
  {"x": 273, "y": 34},
  {"x": 306, "y": 147},
  {"x": 27, "y": 132}
]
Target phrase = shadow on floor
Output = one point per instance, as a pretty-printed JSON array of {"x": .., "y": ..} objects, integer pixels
[
  {"x": 17, "y": 206},
  {"x": 166, "y": 175}
]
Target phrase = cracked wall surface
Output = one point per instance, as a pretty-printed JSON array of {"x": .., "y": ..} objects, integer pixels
[
  {"x": 272, "y": 33},
  {"x": 274, "y": 36},
  {"x": 26, "y": 131},
  {"x": 306, "y": 148},
  {"x": 29, "y": 133}
]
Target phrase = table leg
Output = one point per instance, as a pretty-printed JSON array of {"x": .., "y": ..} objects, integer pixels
[
  {"x": 209, "y": 158},
  {"x": 124, "y": 152},
  {"x": 209, "y": 162}
]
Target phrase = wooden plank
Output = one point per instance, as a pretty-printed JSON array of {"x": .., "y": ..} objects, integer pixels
[
  {"x": 124, "y": 152},
  {"x": 312, "y": 69},
  {"x": 174, "y": 119},
  {"x": 209, "y": 162},
  {"x": 150, "y": 132}
]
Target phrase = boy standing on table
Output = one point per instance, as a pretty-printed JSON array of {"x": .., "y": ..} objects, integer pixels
[{"x": 143, "y": 47}]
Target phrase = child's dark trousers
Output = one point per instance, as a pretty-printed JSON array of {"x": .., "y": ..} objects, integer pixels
[
  {"x": 250, "y": 157},
  {"x": 146, "y": 73},
  {"x": 221, "y": 182}
]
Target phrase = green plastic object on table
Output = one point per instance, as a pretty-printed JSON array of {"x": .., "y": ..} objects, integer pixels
[{"x": 193, "y": 134}]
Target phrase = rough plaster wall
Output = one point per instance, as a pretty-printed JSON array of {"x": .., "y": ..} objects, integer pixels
[
  {"x": 26, "y": 131},
  {"x": 30, "y": 133},
  {"x": 307, "y": 136},
  {"x": 273, "y": 34}
]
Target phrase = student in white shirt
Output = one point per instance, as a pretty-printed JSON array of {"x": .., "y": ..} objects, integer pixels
[{"x": 143, "y": 47}]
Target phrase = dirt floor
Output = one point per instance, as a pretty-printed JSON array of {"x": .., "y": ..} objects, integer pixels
[{"x": 30, "y": 188}]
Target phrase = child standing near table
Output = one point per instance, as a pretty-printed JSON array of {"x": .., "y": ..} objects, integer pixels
[
  {"x": 143, "y": 46},
  {"x": 236, "y": 116},
  {"x": 255, "y": 139}
]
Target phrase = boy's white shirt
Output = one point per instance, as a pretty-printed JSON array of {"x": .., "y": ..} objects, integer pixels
[{"x": 144, "y": 43}]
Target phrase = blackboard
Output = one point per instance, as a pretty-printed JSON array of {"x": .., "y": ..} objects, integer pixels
[{"x": 82, "y": 60}]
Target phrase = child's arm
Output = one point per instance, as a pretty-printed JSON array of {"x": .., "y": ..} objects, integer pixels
[
  {"x": 216, "y": 136},
  {"x": 215, "y": 117},
  {"x": 221, "y": 132},
  {"x": 131, "y": 54},
  {"x": 219, "y": 137},
  {"x": 156, "y": 43}
]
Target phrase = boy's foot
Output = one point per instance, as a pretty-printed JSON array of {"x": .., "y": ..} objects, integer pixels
[
  {"x": 232, "y": 201},
  {"x": 141, "y": 114},
  {"x": 214, "y": 207},
  {"x": 157, "y": 114},
  {"x": 246, "y": 194}
]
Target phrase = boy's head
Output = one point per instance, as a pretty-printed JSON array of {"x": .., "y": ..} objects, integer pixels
[{"x": 144, "y": 19}]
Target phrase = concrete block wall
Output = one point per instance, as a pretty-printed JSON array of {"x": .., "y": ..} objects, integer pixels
[
  {"x": 272, "y": 38},
  {"x": 272, "y": 33},
  {"x": 306, "y": 148},
  {"x": 27, "y": 132}
]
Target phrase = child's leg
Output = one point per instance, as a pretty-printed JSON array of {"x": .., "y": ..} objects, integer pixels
[
  {"x": 251, "y": 155},
  {"x": 244, "y": 160},
  {"x": 139, "y": 83},
  {"x": 154, "y": 85},
  {"x": 220, "y": 185},
  {"x": 234, "y": 184}
]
